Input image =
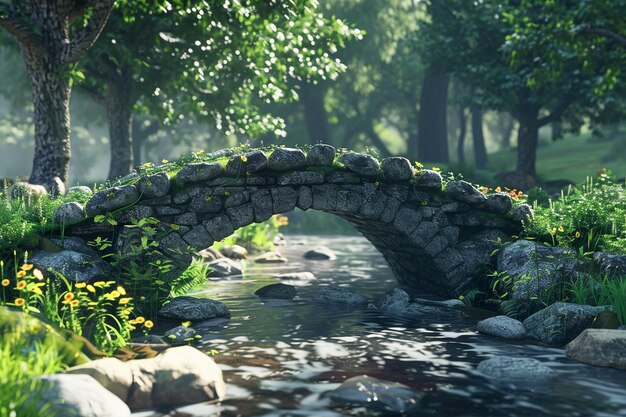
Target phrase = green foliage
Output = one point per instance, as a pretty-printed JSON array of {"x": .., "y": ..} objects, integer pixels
[
  {"x": 587, "y": 218},
  {"x": 256, "y": 236},
  {"x": 601, "y": 290},
  {"x": 195, "y": 274}
]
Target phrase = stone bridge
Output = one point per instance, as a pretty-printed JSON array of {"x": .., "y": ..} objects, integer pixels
[{"x": 436, "y": 235}]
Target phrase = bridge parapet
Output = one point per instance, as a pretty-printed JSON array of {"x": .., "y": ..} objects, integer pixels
[{"x": 435, "y": 235}]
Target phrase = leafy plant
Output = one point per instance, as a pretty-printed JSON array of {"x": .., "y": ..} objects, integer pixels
[{"x": 599, "y": 290}]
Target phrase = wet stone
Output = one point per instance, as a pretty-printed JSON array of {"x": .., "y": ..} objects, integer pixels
[
  {"x": 154, "y": 186},
  {"x": 324, "y": 197},
  {"x": 201, "y": 171},
  {"x": 281, "y": 291},
  {"x": 505, "y": 367},
  {"x": 363, "y": 164},
  {"x": 219, "y": 227},
  {"x": 284, "y": 199},
  {"x": 241, "y": 216},
  {"x": 406, "y": 220},
  {"x": 179, "y": 335},
  {"x": 237, "y": 199},
  {"x": 348, "y": 202},
  {"x": 429, "y": 180},
  {"x": 286, "y": 159},
  {"x": 301, "y": 178},
  {"x": 465, "y": 192},
  {"x": 69, "y": 213},
  {"x": 320, "y": 253},
  {"x": 334, "y": 295},
  {"x": 111, "y": 199},
  {"x": 320, "y": 155},
  {"x": 198, "y": 238},
  {"x": 502, "y": 326},
  {"x": 205, "y": 202},
  {"x": 500, "y": 203},
  {"x": 522, "y": 213},
  {"x": 262, "y": 204},
  {"x": 193, "y": 309},
  {"x": 397, "y": 168}
]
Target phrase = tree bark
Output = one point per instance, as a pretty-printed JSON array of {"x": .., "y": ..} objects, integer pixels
[
  {"x": 432, "y": 138},
  {"x": 120, "y": 117},
  {"x": 528, "y": 136},
  {"x": 460, "y": 144},
  {"x": 315, "y": 113},
  {"x": 478, "y": 138}
]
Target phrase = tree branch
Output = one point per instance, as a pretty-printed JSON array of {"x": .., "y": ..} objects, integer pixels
[
  {"x": 85, "y": 37},
  {"x": 18, "y": 27},
  {"x": 605, "y": 33},
  {"x": 556, "y": 114}
]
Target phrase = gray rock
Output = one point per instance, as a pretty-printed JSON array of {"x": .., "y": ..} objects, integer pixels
[
  {"x": 154, "y": 186},
  {"x": 335, "y": 295},
  {"x": 112, "y": 199},
  {"x": 505, "y": 367},
  {"x": 77, "y": 244},
  {"x": 179, "y": 376},
  {"x": 241, "y": 216},
  {"x": 286, "y": 159},
  {"x": 371, "y": 392},
  {"x": 75, "y": 266},
  {"x": 599, "y": 347},
  {"x": 236, "y": 252},
  {"x": 194, "y": 309},
  {"x": 200, "y": 171},
  {"x": 611, "y": 263},
  {"x": 79, "y": 395},
  {"x": 282, "y": 291},
  {"x": 343, "y": 177},
  {"x": 296, "y": 276},
  {"x": 362, "y": 164},
  {"x": 417, "y": 310},
  {"x": 476, "y": 251},
  {"x": 284, "y": 199},
  {"x": 262, "y": 204},
  {"x": 305, "y": 198},
  {"x": 70, "y": 213},
  {"x": 224, "y": 267},
  {"x": 429, "y": 180},
  {"x": 301, "y": 178},
  {"x": 500, "y": 203},
  {"x": 397, "y": 168},
  {"x": 254, "y": 161},
  {"x": 198, "y": 238},
  {"x": 270, "y": 258},
  {"x": 321, "y": 253},
  {"x": 622, "y": 327},
  {"x": 220, "y": 226},
  {"x": 320, "y": 155},
  {"x": 535, "y": 270},
  {"x": 393, "y": 300},
  {"x": 204, "y": 201},
  {"x": 179, "y": 335},
  {"x": 451, "y": 303},
  {"x": 522, "y": 213},
  {"x": 502, "y": 326},
  {"x": 26, "y": 191},
  {"x": 82, "y": 190},
  {"x": 561, "y": 323},
  {"x": 56, "y": 188},
  {"x": 465, "y": 192}
]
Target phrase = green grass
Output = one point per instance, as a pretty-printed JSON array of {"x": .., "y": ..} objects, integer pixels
[{"x": 573, "y": 158}]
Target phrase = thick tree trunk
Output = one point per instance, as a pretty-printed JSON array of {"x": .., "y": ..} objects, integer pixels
[
  {"x": 315, "y": 113},
  {"x": 527, "y": 139},
  {"x": 120, "y": 117},
  {"x": 460, "y": 144},
  {"x": 478, "y": 138},
  {"x": 432, "y": 138},
  {"x": 51, "y": 98}
]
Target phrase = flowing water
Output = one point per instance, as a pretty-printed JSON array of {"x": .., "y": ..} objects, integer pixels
[{"x": 280, "y": 357}]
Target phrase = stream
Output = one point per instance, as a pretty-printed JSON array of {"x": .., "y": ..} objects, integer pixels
[{"x": 280, "y": 357}]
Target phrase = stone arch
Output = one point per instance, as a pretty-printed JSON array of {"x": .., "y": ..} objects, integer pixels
[{"x": 433, "y": 239}]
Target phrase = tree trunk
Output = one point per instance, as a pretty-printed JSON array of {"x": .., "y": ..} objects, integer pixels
[
  {"x": 506, "y": 124},
  {"x": 460, "y": 144},
  {"x": 478, "y": 138},
  {"x": 120, "y": 117},
  {"x": 527, "y": 139},
  {"x": 315, "y": 113},
  {"x": 432, "y": 138},
  {"x": 51, "y": 98}
]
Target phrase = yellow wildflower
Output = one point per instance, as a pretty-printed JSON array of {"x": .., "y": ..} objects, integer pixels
[
  {"x": 561, "y": 229},
  {"x": 498, "y": 189},
  {"x": 164, "y": 161},
  {"x": 553, "y": 231},
  {"x": 74, "y": 303},
  {"x": 121, "y": 290},
  {"x": 91, "y": 288},
  {"x": 68, "y": 297},
  {"x": 27, "y": 267},
  {"x": 125, "y": 300},
  {"x": 20, "y": 274},
  {"x": 20, "y": 302},
  {"x": 577, "y": 234},
  {"x": 80, "y": 285},
  {"x": 186, "y": 324},
  {"x": 140, "y": 320},
  {"x": 21, "y": 285},
  {"x": 115, "y": 294},
  {"x": 100, "y": 284},
  {"x": 149, "y": 324},
  {"x": 5, "y": 282},
  {"x": 38, "y": 274}
]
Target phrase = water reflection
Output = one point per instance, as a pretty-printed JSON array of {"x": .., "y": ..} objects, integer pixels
[{"x": 279, "y": 357}]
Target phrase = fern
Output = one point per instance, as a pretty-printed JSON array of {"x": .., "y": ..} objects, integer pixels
[{"x": 195, "y": 274}]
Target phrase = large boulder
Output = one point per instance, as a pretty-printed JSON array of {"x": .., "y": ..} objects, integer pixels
[
  {"x": 320, "y": 155},
  {"x": 178, "y": 376},
  {"x": 599, "y": 347},
  {"x": 282, "y": 291},
  {"x": 80, "y": 396},
  {"x": 286, "y": 159},
  {"x": 75, "y": 266},
  {"x": 363, "y": 164},
  {"x": 465, "y": 192},
  {"x": 536, "y": 272},
  {"x": 561, "y": 323},
  {"x": 502, "y": 326},
  {"x": 194, "y": 309},
  {"x": 397, "y": 168},
  {"x": 506, "y": 367},
  {"x": 334, "y": 295},
  {"x": 225, "y": 267},
  {"x": 367, "y": 391}
]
